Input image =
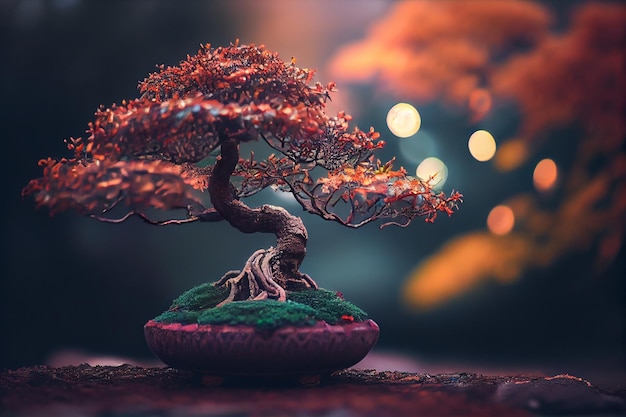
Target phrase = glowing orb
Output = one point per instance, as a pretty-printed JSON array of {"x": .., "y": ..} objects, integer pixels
[
  {"x": 403, "y": 120},
  {"x": 545, "y": 175},
  {"x": 482, "y": 145},
  {"x": 511, "y": 154},
  {"x": 432, "y": 170},
  {"x": 501, "y": 220}
]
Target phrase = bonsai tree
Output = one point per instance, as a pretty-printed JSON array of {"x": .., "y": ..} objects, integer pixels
[{"x": 179, "y": 143}]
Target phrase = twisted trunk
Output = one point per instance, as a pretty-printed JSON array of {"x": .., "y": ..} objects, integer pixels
[{"x": 268, "y": 273}]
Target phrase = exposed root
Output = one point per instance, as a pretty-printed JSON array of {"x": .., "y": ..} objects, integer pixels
[
  {"x": 260, "y": 279},
  {"x": 301, "y": 281}
]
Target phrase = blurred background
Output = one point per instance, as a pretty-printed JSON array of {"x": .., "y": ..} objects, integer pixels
[{"x": 527, "y": 276}]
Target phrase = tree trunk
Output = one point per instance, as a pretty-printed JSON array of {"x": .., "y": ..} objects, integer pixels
[{"x": 268, "y": 273}]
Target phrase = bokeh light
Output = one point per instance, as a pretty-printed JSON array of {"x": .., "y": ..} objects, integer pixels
[
  {"x": 464, "y": 263},
  {"x": 482, "y": 145},
  {"x": 545, "y": 175},
  {"x": 501, "y": 220},
  {"x": 434, "y": 170},
  {"x": 403, "y": 120},
  {"x": 511, "y": 154}
]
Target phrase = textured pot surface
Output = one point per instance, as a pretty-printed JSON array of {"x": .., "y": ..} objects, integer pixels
[{"x": 246, "y": 350}]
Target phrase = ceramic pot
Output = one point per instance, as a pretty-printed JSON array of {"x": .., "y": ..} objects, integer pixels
[{"x": 249, "y": 351}]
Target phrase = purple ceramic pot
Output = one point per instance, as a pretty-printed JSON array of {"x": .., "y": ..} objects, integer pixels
[{"x": 246, "y": 350}]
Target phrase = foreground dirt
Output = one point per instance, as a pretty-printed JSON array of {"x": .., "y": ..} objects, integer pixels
[{"x": 135, "y": 391}]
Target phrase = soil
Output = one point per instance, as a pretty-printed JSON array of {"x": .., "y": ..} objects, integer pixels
[{"x": 137, "y": 391}]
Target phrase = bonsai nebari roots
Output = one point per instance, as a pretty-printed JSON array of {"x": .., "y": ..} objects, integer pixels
[{"x": 261, "y": 278}]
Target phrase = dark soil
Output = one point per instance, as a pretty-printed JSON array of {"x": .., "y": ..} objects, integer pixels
[{"x": 135, "y": 391}]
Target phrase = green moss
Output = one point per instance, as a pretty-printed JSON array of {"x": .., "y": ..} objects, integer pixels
[
  {"x": 328, "y": 305},
  {"x": 302, "y": 308},
  {"x": 190, "y": 305},
  {"x": 178, "y": 316},
  {"x": 266, "y": 314},
  {"x": 200, "y": 297}
]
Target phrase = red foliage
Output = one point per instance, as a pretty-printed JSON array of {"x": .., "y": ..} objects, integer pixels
[
  {"x": 371, "y": 191},
  {"x": 144, "y": 152}
]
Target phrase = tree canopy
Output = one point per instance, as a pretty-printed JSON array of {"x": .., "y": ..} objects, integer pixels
[{"x": 152, "y": 151}]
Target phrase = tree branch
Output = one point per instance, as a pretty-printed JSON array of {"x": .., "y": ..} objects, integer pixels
[{"x": 207, "y": 215}]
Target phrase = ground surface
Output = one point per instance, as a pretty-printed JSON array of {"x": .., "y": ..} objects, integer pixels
[{"x": 136, "y": 391}]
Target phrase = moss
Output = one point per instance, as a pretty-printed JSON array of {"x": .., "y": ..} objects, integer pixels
[
  {"x": 200, "y": 297},
  {"x": 178, "y": 316},
  {"x": 265, "y": 314},
  {"x": 190, "y": 305},
  {"x": 328, "y": 305},
  {"x": 302, "y": 308}
]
